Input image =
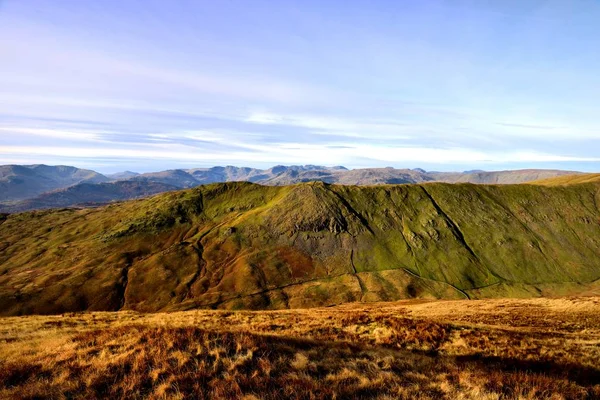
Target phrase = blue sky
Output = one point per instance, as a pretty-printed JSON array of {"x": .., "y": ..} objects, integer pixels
[{"x": 443, "y": 85}]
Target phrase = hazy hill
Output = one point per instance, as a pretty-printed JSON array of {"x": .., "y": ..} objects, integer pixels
[
  {"x": 87, "y": 194},
  {"x": 119, "y": 176},
  {"x": 19, "y": 182},
  {"x": 241, "y": 245},
  {"x": 499, "y": 177},
  {"x": 287, "y": 175},
  {"x": 275, "y": 175},
  {"x": 366, "y": 176}
]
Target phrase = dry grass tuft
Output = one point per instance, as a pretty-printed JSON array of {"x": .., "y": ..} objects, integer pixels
[{"x": 496, "y": 349}]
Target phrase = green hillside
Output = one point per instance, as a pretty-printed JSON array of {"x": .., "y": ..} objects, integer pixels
[{"x": 242, "y": 245}]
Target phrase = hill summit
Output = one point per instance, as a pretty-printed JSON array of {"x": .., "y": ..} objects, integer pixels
[{"x": 242, "y": 245}]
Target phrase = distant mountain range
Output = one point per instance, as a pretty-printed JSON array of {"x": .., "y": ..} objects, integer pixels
[{"x": 29, "y": 187}]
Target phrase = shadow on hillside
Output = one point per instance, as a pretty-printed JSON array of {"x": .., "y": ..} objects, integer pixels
[{"x": 579, "y": 374}]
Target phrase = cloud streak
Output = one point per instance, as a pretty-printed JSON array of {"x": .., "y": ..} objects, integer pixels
[
  {"x": 305, "y": 153},
  {"x": 196, "y": 83}
]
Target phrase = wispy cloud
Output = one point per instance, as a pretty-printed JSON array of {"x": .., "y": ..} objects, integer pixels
[
  {"x": 52, "y": 133},
  {"x": 304, "y": 153},
  {"x": 560, "y": 130},
  {"x": 202, "y": 84},
  {"x": 349, "y": 127}
]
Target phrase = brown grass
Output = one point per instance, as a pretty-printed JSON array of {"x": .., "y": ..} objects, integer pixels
[
  {"x": 489, "y": 349},
  {"x": 567, "y": 180}
]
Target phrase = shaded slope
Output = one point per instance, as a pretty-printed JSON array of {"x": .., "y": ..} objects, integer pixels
[
  {"x": 87, "y": 194},
  {"x": 241, "y": 245},
  {"x": 19, "y": 182}
]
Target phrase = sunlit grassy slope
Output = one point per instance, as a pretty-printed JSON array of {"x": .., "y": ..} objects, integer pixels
[
  {"x": 241, "y": 245},
  {"x": 568, "y": 180},
  {"x": 489, "y": 349}
]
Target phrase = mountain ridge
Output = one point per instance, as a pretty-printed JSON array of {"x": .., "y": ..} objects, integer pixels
[
  {"x": 243, "y": 245},
  {"x": 40, "y": 194}
]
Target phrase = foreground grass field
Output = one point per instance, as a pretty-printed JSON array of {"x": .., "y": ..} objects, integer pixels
[{"x": 486, "y": 349}]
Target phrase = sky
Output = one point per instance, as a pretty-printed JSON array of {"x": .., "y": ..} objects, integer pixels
[{"x": 451, "y": 85}]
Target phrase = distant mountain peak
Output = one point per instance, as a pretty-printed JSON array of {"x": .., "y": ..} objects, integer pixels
[{"x": 123, "y": 175}]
